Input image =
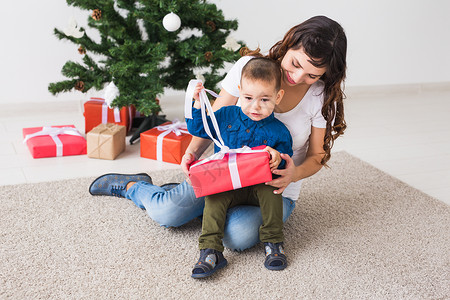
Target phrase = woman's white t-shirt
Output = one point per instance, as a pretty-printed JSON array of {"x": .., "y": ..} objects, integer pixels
[{"x": 298, "y": 120}]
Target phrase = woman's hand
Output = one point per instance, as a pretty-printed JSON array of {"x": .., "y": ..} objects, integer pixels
[
  {"x": 275, "y": 158},
  {"x": 186, "y": 161},
  {"x": 286, "y": 175}
]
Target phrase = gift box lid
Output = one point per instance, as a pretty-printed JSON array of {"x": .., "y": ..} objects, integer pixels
[{"x": 107, "y": 129}]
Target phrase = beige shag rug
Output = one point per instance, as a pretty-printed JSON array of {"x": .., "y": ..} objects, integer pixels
[{"x": 356, "y": 233}]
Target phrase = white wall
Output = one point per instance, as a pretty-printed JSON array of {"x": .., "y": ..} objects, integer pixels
[{"x": 390, "y": 42}]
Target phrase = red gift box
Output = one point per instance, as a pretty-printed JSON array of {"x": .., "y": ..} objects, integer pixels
[
  {"x": 234, "y": 171},
  {"x": 96, "y": 111},
  {"x": 162, "y": 142},
  {"x": 54, "y": 141}
]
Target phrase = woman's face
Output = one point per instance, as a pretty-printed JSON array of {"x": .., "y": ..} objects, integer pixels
[{"x": 297, "y": 69}]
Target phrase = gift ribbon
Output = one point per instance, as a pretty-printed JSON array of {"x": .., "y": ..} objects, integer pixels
[
  {"x": 220, "y": 155},
  {"x": 176, "y": 127},
  {"x": 53, "y": 132},
  {"x": 204, "y": 104},
  {"x": 130, "y": 117},
  {"x": 105, "y": 111},
  {"x": 234, "y": 172}
]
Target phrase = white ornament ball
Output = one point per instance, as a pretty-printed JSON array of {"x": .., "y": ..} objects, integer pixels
[{"x": 171, "y": 22}]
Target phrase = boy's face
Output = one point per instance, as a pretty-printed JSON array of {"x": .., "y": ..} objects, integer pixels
[{"x": 258, "y": 98}]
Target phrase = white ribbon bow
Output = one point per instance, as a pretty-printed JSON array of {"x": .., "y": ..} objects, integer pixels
[
  {"x": 204, "y": 104},
  {"x": 176, "y": 127},
  {"x": 53, "y": 132}
]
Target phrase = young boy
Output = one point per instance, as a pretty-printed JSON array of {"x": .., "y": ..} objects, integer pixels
[{"x": 252, "y": 124}]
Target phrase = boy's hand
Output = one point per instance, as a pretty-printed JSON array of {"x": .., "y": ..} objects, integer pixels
[
  {"x": 197, "y": 91},
  {"x": 275, "y": 158},
  {"x": 186, "y": 161}
]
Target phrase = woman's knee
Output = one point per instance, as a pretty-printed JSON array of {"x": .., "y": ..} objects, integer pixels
[
  {"x": 288, "y": 208},
  {"x": 173, "y": 218},
  {"x": 242, "y": 227},
  {"x": 240, "y": 242},
  {"x": 174, "y": 215},
  {"x": 175, "y": 207}
]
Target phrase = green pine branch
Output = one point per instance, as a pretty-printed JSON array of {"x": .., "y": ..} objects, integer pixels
[{"x": 140, "y": 55}]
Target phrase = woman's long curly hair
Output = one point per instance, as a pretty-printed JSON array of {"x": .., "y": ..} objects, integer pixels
[{"x": 324, "y": 42}]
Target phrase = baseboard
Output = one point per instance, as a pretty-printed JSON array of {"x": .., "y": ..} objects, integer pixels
[
  {"x": 175, "y": 100},
  {"x": 412, "y": 88}
]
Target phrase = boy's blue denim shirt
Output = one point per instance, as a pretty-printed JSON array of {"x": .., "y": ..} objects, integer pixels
[{"x": 238, "y": 130}]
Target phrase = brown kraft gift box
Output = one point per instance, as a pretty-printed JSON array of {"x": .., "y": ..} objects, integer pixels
[{"x": 106, "y": 141}]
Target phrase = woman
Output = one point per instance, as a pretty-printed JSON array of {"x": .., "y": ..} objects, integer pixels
[{"x": 313, "y": 60}]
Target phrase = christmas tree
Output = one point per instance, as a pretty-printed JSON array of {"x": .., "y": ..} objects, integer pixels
[{"x": 141, "y": 54}]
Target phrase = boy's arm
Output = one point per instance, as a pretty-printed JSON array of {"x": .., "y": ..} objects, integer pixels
[
  {"x": 283, "y": 145},
  {"x": 195, "y": 125}
]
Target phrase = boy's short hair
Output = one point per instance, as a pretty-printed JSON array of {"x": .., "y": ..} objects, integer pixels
[{"x": 263, "y": 68}]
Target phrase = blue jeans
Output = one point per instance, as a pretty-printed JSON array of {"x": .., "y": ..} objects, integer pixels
[{"x": 179, "y": 205}]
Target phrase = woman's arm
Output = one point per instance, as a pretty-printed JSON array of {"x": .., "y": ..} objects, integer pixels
[
  {"x": 225, "y": 99},
  {"x": 199, "y": 145},
  {"x": 309, "y": 167},
  {"x": 314, "y": 155}
]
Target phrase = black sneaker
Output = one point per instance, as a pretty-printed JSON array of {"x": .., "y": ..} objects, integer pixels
[{"x": 115, "y": 184}]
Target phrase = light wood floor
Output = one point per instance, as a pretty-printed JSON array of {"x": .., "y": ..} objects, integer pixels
[{"x": 400, "y": 130}]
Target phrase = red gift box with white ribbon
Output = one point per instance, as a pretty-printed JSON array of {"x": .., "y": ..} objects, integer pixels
[
  {"x": 54, "y": 141},
  {"x": 228, "y": 169},
  {"x": 97, "y": 111},
  {"x": 238, "y": 168},
  {"x": 166, "y": 142}
]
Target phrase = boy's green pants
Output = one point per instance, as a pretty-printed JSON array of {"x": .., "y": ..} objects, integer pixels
[{"x": 216, "y": 207}]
